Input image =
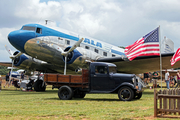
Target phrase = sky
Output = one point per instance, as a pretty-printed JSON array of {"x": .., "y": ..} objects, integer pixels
[{"x": 118, "y": 22}]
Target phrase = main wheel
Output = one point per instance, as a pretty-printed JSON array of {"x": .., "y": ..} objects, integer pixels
[
  {"x": 138, "y": 95},
  {"x": 65, "y": 93},
  {"x": 39, "y": 85},
  {"x": 79, "y": 94},
  {"x": 125, "y": 94}
]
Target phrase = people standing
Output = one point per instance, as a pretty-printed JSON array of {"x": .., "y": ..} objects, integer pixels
[
  {"x": 171, "y": 82},
  {"x": 22, "y": 76},
  {"x": 0, "y": 82},
  {"x": 155, "y": 76},
  {"x": 146, "y": 76},
  {"x": 178, "y": 79},
  {"x": 7, "y": 80},
  {"x": 167, "y": 78}
]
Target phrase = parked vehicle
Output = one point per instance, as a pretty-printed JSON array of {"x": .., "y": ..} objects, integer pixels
[{"x": 100, "y": 78}]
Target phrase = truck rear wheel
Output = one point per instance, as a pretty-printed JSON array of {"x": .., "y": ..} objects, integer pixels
[
  {"x": 79, "y": 94},
  {"x": 125, "y": 94},
  {"x": 65, "y": 93}
]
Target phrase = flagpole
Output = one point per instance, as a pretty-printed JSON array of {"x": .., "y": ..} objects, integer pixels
[{"x": 160, "y": 56}]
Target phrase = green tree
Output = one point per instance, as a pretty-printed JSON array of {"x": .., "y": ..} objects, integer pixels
[
  {"x": 121, "y": 47},
  {"x": 3, "y": 70}
]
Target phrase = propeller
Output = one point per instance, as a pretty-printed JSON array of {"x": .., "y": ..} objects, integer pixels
[
  {"x": 65, "y": 54},
  {"x": 12, "y": 57}
]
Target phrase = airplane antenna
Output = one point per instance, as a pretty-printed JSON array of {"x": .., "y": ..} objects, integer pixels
[{"x": 46, "y": 21}]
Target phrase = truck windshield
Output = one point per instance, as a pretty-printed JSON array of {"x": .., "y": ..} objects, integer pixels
[{"x": 112, "y": 70}]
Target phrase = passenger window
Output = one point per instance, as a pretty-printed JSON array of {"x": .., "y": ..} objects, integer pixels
[
  {"x": 39, "y": 30},
  {"x": 113, "y": 55},
  {"x": 87, "y": 47},
  {"x": 96, "y": 50},
  {"x": 105, "y": 53},
  {"x": 100, "y": 70},
  {"x": 67, "y": 42}
]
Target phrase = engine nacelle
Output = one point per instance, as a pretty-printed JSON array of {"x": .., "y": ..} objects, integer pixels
[
  {"x": 19, "y": 59},
  {"x": 72, "y": 55}
]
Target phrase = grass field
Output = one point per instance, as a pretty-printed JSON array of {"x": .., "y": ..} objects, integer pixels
[{"x": 16, "y": 104}]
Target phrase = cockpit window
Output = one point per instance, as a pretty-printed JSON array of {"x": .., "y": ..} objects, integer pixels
[
  {"x": 39, "y": 30},
  {"x": 29, "y": 28}
]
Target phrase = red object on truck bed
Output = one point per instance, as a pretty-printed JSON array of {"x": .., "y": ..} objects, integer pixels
[{"x": 72, "y": 80}]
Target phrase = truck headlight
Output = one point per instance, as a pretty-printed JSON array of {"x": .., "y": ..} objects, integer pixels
[{"x": 133, "y": 79}]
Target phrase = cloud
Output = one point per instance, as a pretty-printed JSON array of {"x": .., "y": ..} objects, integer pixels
[
  {"x": 4, "y": 41},
  {"x": 117, "y": 22}
]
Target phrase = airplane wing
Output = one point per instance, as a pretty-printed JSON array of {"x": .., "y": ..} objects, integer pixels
[
  {"x": 6, "y": 64},
  {"x": 142, "y": 64}
]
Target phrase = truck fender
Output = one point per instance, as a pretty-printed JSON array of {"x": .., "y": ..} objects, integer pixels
[{"x": 126, "y": 84}]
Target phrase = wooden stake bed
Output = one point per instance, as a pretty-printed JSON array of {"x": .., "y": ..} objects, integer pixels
[{"x": 70, "y": 80}]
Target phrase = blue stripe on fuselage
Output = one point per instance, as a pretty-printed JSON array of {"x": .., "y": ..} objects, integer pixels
[
  {"x": 50, "y": 32},
  {"x": 117, "y": 52}
]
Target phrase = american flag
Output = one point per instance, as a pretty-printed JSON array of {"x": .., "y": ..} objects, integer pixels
[
  {"x": 146, "y": 46},
  {"x": 176, "y": 57}
]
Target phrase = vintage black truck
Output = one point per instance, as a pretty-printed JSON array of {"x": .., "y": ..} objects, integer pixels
[{"x": 101, "y": 77}]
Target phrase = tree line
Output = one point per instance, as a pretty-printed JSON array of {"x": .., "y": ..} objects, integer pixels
[{"x": 3, "y": 70}]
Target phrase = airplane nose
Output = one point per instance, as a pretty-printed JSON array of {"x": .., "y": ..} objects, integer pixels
[
  {"x": 19, "y": 37},
  {"x": 12, "y": 36}
]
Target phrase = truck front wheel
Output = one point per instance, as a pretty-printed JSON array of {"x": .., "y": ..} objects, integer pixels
[
  {"x": 125, "y": 94},
  {"x": 138, "y": 95},
  {"x": 65, "y": 93}
]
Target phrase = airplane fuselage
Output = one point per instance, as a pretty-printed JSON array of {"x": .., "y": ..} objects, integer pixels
[{"x": 47, "y": 44}]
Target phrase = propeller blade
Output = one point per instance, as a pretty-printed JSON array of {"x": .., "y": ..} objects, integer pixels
[
  {"x": 11, "y": 72},
  {"x": 9, "y": 50},
  {"x": 65, "y": 65},
  {"x": 73, "y": 47},
  {"x": 11, "y": 53}
]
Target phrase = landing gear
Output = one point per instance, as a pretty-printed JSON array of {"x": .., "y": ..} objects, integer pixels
[{"x": 39, "y": 86}]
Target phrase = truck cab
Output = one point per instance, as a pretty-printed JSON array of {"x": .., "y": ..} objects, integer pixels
[{"x": 105, "y": 79}]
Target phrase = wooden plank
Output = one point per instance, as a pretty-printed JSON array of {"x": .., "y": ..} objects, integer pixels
[
  {"x": 168, "y": 96},
  {"x": 165, "y": 102},
  {"x": 174, "y": 100},
  {"x": 155, "y": 103},
  {"x": 167, "y": 110},
  {"x": 85, "y": 75},
  {"x": 63, "y": 78},
  {"x": 76, "y": 79},
  {"x": 169, "y": 92},
  {"x": 178, "y": 101},
  {"x": 52, "y": 77}
]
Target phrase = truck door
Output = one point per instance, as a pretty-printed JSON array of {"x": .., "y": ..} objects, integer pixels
[{"x": 100, "y": 79}]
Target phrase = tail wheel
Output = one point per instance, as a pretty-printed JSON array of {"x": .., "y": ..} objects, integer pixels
[
  {"x": 125, "y": 94},
  {"x": 65, "y": 93}
]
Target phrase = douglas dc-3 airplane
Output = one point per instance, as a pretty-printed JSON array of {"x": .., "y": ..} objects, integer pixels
[{"x": 45, "y": 49}]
